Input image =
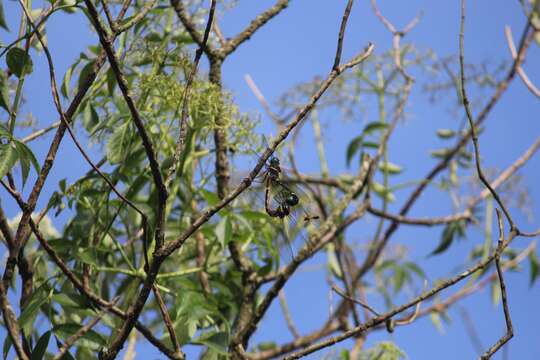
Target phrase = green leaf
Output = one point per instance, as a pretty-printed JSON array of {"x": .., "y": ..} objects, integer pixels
[
  {"x": 118, "y": 144},
  {"x": 354, "y": 146},
  {"x": 85, "y": 73},
  {"x": 218, "y": 341},
  {"x": 333, "y": 263},
  {"x": 91, "y": 339},
  {"x": 390, "y": 168},
  {"x": 416, "y": 269},
  {"x": 211, "y": 198},
  {"x": 374, "y": 126},
  {"x": 27, "y": 158},
  {"x": 27, "y": 317},
  {"x": 447, "y": 238},
  {"x": 253, "y": 215},
  {"x": 445, "y": 133},
  {"x": 440, "y": 153},
  {"x": 383, "y": 192},
  {"x": 398, "y": 278},
  {"x": 436, "y": 320},
  {"x": 6, "y": 347},
  {"x": 224, "y": 231},
  {"x": 67, "y": 80},
  {"x": 4, "y": 91},
  {"x": 535, "y": 266},
  {"x": 41, "y": 346},
  {"x": 67, "y": 300},
  {"x": 90, "y": 117},
  {"x": 19, "y": 62},
  {"x": 4, "y": 133},
  {"x": 8, "y": 158},
  {"x": 111, "y": 81},
  {"x": 87, "y": 256},
  {"x": 3, "y": 22}
]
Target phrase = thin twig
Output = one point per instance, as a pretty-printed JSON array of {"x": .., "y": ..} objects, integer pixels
[
  {"x": 40, "y": 132},
  {"x": 139, "y": 124},
  {"x": 341, "y": 35},
  {"x": 509, "y": 329},
  {"x": 70, "y": 341},
  {"x": 287, "y": 314},
  {"x": 466, "y": 215},
  {"x": 185, "y": 100},
  {"x": 255, "y": 25},
  {"x": 384, "y": 317},
  {"x": 166, "y": 318},
  {"x": 10, "y": 321},
  {"x": 468, "y": 112},
  {"x": 528, "y": 83}
]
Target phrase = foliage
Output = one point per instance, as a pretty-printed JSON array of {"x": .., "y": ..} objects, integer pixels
[{"x": 213, "y": 285}]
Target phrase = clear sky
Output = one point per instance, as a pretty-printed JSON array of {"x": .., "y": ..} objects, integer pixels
[{"x": 300, "y": 44}]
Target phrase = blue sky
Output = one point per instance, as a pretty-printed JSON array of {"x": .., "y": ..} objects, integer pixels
[{"x": 300, "y": 44}]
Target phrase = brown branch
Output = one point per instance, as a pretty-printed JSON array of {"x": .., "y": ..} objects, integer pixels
[
  {"x": 507, "y": 173},
  {"x": 260, "y": 97},
  {"x": 468, "y": 112},
  {"x": 328, "y": 231},
  {"x": 528, "y": 83},
  {"x": 415, "y": 195},
  {"x": 185, "y": 101},
  {"x": 108, "y": 15},
  {"x": 170, "y": 247},
  {"x": 23, "y": 228},
  {"x": 431, "y": 221},
  {"x": 384, "y": 317},
  {"x": 341, "y": 35},
  {"x": 5, "y": 229},
  {"x": 140, "y": 14},
  {"x": 186, "y": 20},
  {"x": 106, "y": 42},
  {"x": 40, "y": 132},
  {"x": 90, "y": 295},
  {"x": 167, "y": 319},
  {"x": 10, "y": 322},
  {"x": 80, "y": 333},
  {"x": 85, "y": 291},
  {"x": 255, "y": 25},
  {"x": 356, "y": 301},
  {"x": 509, "y": 329},
  {"x": 298, "y": 343},
  {"x": 56, "y": 97},
  {"x": 287, "y": 314}
]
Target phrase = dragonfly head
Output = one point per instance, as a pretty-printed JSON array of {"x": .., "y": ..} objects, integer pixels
[
  {"x": 274, "y": 162},
  {"x": 292, "y": 199}
]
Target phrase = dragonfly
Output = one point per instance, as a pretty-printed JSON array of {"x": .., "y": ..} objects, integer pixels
[{"x": 287, "y": 199}]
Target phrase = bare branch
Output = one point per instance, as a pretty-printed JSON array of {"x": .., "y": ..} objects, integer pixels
[
  {"x": 474, "y": 135},
  {"x": 509, "y": 40},
  {"x": 343, "y": 26},
  {"x": 255, "y": 25},
  {"x": 10, "y": 320},
  {"x": 167, "y": 319},
  {"x": 287, "y": 314},
  {"x": 384, "y": 317},
  {"x": 186, "y": 20},
  {"x": 466, "y": 215}
]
